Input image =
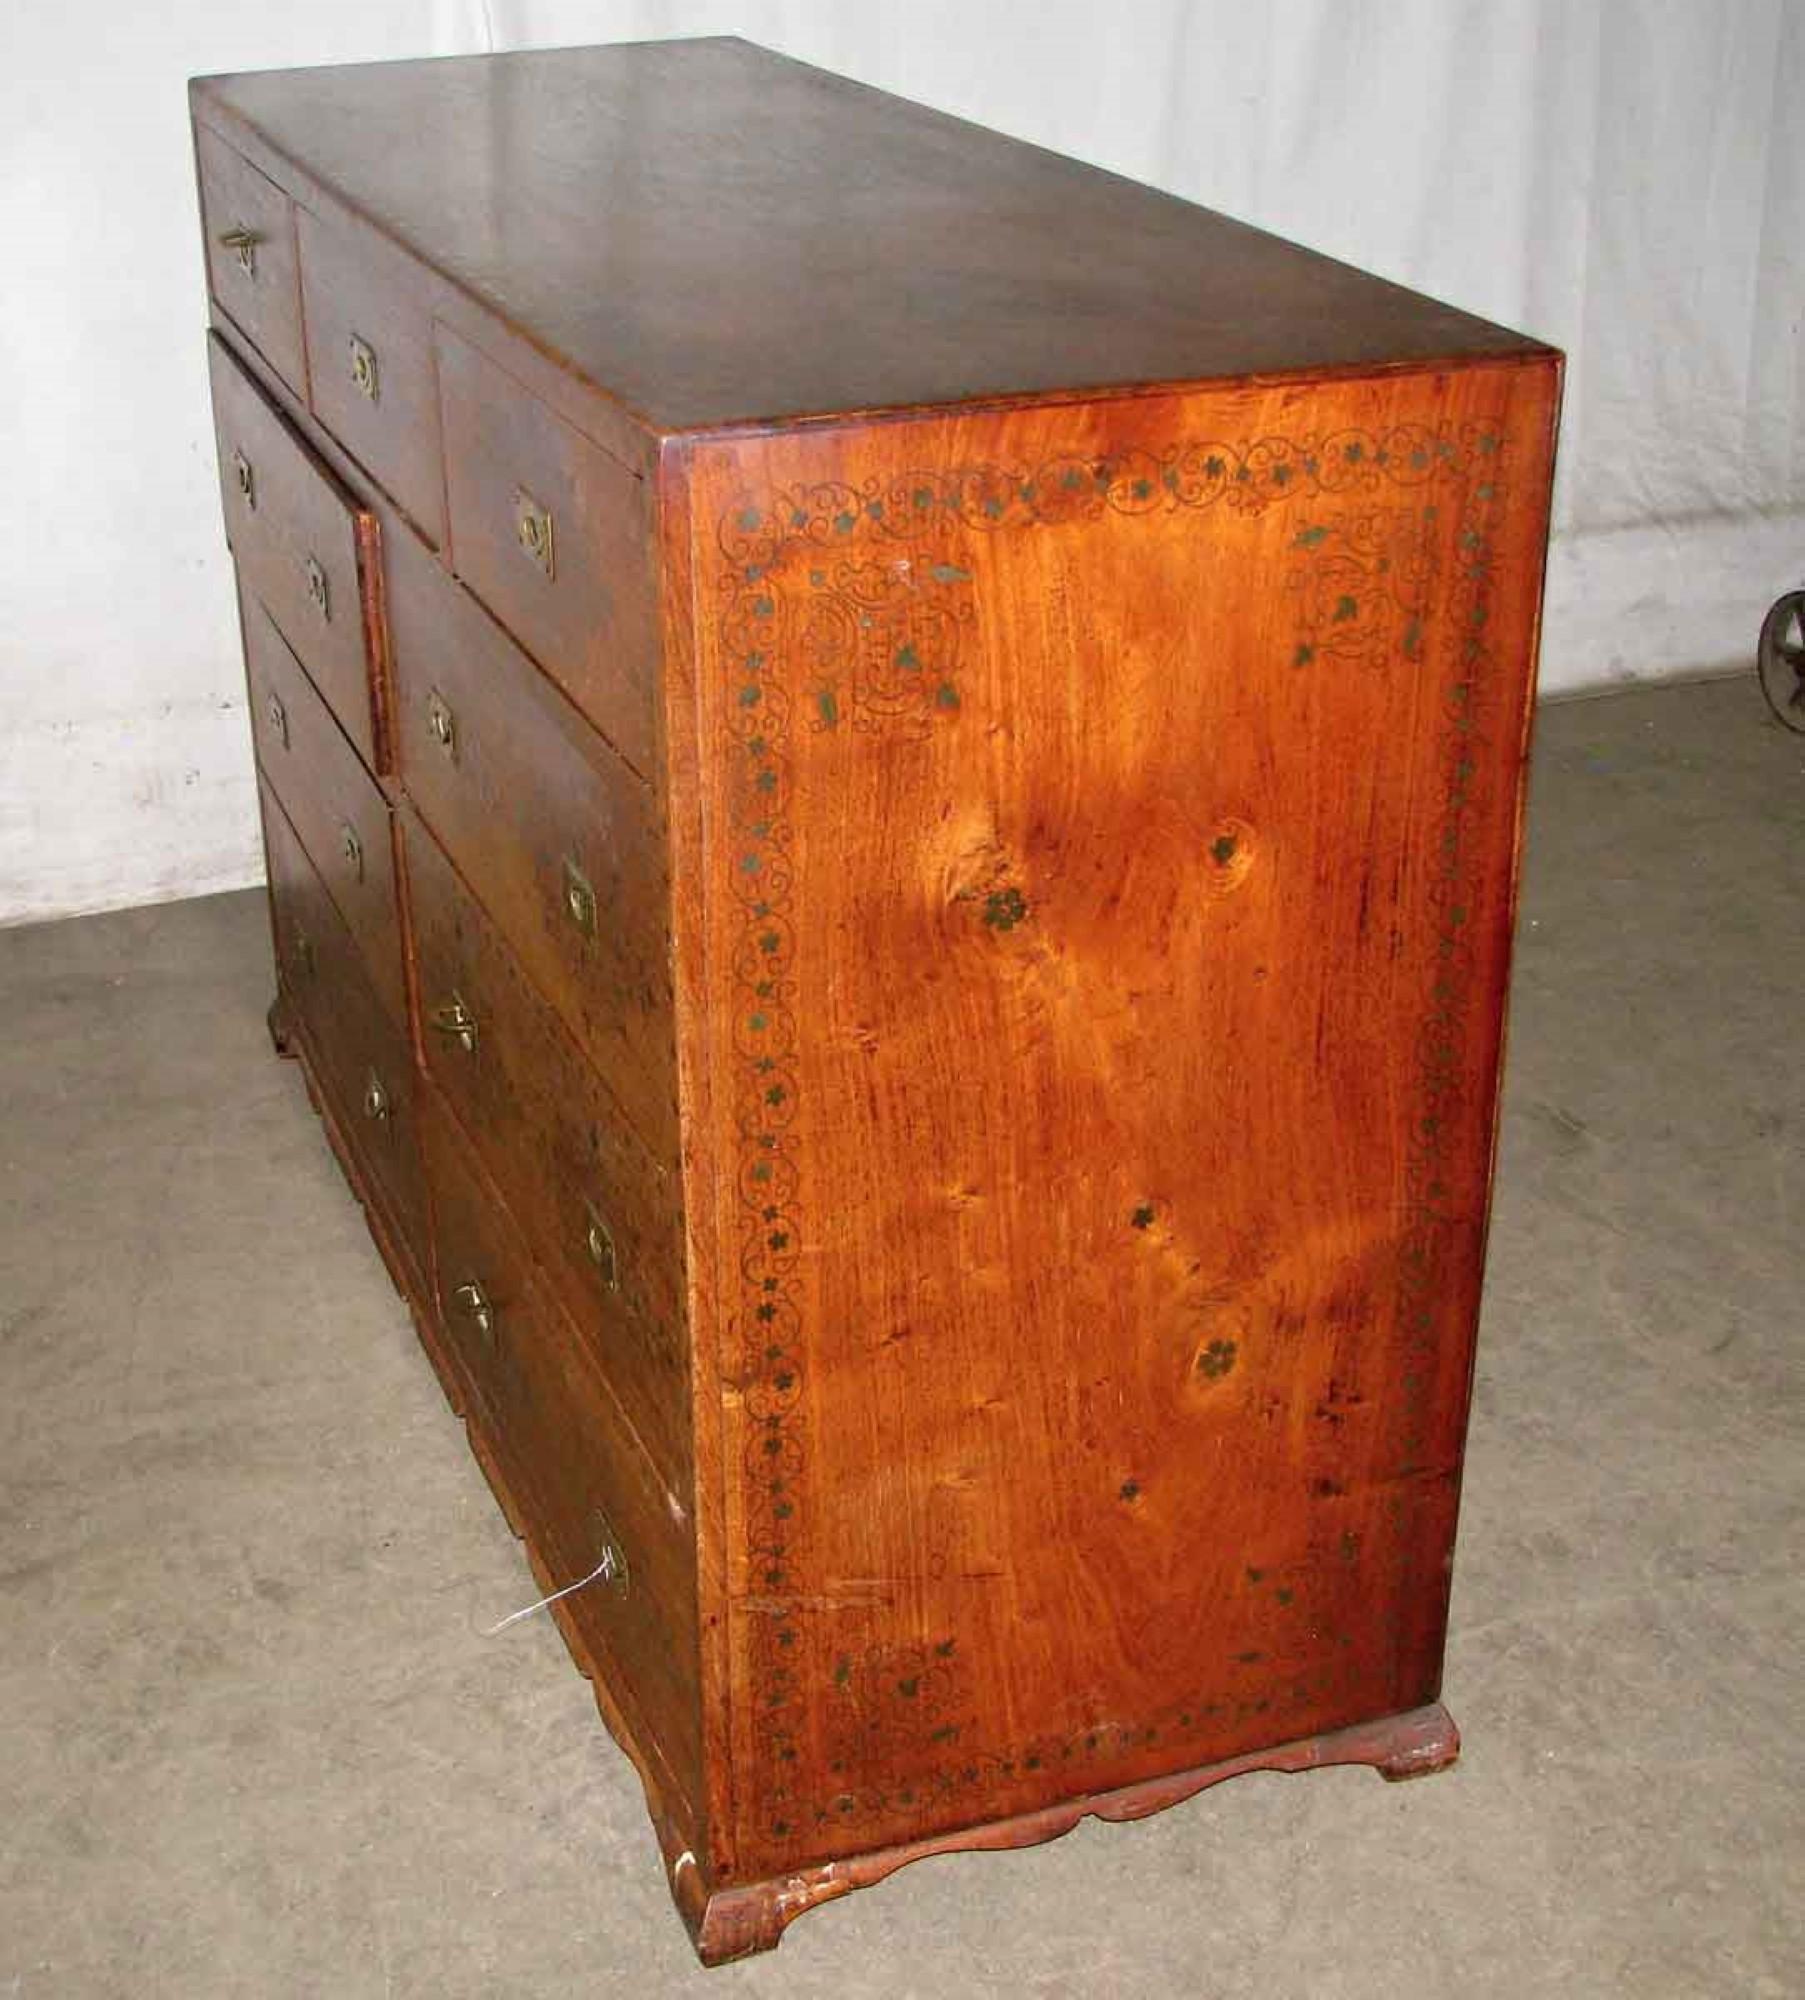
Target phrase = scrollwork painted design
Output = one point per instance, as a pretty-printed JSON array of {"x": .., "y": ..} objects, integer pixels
[{"x": 848, "y": 605}]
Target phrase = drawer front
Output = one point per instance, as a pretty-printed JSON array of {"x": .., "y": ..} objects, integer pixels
[
  {"x": 576, "y": 1471},
  {"x": 559, "y": 839},
  {"x": 362, "y": 1058},
  {"x": 556, "y": 538},
  {"x": 601, "y": 1216},
  {"x": 252, "y": 266},
  {"x": 480, "y": 1284},
  {"x": 343, "y": 820},
  {"x": 304, "y": 547},
  {"x": 374, "y": 385}
]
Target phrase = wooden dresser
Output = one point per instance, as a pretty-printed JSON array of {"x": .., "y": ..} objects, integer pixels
[{"x": 891, "y": 770}]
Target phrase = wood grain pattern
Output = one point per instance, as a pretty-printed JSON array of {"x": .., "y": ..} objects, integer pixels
[
  {"x": 341, "y": 816},
  {"x": 587, "y": 614},
  {"x": 1097, "y": 1409},
  {"x": 1052, "y": 856},
  {"x": 553, "y": 1138},
  {"x": 531, "y": 803},
  {"x": 304, "y": 548},
  {"x": 263, "y": 296},
  {"x": 359, "y": 293}
]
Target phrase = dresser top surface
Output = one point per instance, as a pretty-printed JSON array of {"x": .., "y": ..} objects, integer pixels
[{"x": 716, "y": 235}]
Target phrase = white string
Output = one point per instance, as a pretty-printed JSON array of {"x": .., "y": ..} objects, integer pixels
[{"x": 608, "y": 1566}]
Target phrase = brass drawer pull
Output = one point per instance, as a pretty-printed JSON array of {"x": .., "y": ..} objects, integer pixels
[
  {"x": 455, "y": 1020},
  {"x": 376, "y": 1100},
  {"x": 246, "y": 478},
  {"x": 318, "y": 591},
  {"x": 475, "y": 1301},
  {"x": 278, "y": 716},
  {"x": 533, "y": 526},
  {"x": 598, "y": 1240},
  {"x": 579, "y": 898},
  {"x": 243, "y": 244},
  {"x": 363, "y": 368},
  {"x": 442, "y": 724},
  {"x": 611, "y": 1556},
  {"x": 352, "y": 848}
]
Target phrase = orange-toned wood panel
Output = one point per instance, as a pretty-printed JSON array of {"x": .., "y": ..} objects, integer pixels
[{"x": 1117, "y": 813}]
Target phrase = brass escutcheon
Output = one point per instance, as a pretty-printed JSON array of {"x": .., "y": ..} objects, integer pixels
[
  {"x": 246, "y": 478},
  {"x": 353, "y": 849},
  {"x": 318, "y": 591},
  {"x": 376, "y": 1099},
  {"x": 533, "y": 526},
  {"x": 278, "y": 716},
  {"x": 363, "y": 367}
]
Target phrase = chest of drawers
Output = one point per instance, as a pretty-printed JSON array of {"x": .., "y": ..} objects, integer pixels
[{"x": 891, "y": 774}]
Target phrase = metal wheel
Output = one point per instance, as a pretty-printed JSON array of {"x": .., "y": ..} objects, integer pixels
[{"x": 1780, "y": 659}]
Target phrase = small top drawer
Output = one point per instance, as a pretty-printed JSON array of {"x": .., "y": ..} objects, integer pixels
[
  {"x": 556, "y": 538},
  {"x": 252, "y": 267},
  {"x": 333, "y": 802},
  {"x": 369, "y": 336},
  {"x": 304, "y": 546}
]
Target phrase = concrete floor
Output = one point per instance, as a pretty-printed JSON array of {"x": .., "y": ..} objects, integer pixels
[{"x": 251, "y": 1741}]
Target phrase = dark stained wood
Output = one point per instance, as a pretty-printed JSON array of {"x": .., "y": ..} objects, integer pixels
[
  {"x": 715, "y": 234},
  {"x": 297, "y": 514},
  {"x": 574, "y": 1467},
  {"x": 263, "y": 296},
  {"x": 554, "y": 1140},
  {"x": 334, "y": 804},
  {"x": 359, "y": 1055},
  {"x": 534, "y": 807},
  {"x": 1054, "y": 855},
  {"x": 588, "y": 615},
  {"x": 736, "y": 1923},
  {"x": 382, "y": 402}
]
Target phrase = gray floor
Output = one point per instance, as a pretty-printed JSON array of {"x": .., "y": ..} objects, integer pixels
[{"x": 252, "y": 1742}]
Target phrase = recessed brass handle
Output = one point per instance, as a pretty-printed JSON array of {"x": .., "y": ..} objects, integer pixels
[
  {"x": 475, "y": 1301},
  {"x": 579, "y": 898},
  {"x": 376, "y": 1100},
  {"x": 278, "y": 716},
  {"x": 455, "y": 1020},
  {"x": 352, "y": 848},
  {"x": 243, "y": 244},
  {"x": 363, "y": 368},
  {"x": 533, "y": 526},
  {"x": 246, "y": 478},
  {"x": 442, "y": 724},
  {"x": 319, "y": 592},
  {"x": 598, "y": 1240}
]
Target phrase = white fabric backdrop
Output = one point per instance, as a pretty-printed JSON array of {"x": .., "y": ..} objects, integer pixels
[{"x": 1618, "y": 177}]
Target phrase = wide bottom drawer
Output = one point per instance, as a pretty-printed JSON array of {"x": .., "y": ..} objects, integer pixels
[{"x": 594, "y": 1507}]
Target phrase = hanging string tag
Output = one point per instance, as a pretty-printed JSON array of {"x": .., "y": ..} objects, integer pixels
[{"x": 611, "y": 1569}]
